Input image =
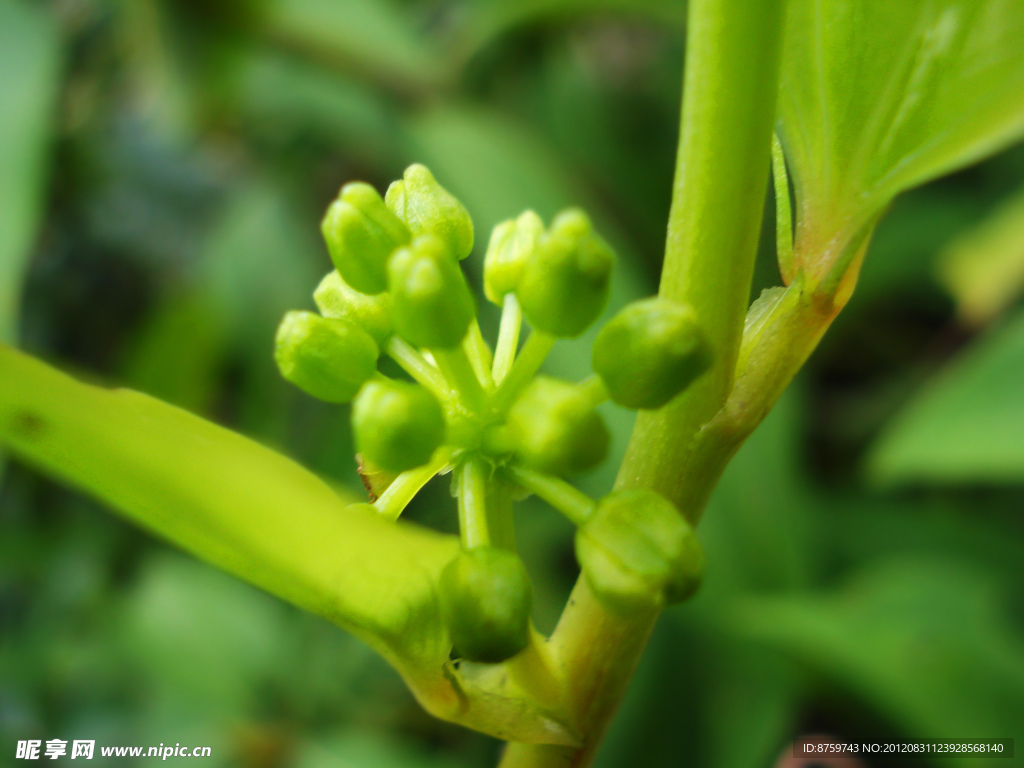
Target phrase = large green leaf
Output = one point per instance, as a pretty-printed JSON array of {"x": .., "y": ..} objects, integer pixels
[
  {"x": 925, "y": 641},
  {"x": 29, "y": 57},
  {"x": 233, "y": 502},
  {"x": 878, "y": 96},
  {"x": 966, "y": 425}
]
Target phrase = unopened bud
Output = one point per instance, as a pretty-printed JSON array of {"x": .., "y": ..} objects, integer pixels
[
  {"x": 564, "y": 286},
  {"x": 649, "y": 352},
  {"x": 512, "y": 244},
  {"x": 397, "y": 425},
  {"x": 555, "y": 428},
  {"x": 431, "y": 303},
  {"x": 637, "y": 552},
  {"x": 327, "y": 358},
  {"x": 336, "y": 298},
  {"x": 429, "y": 209},
  {"x": 486, "y": 599},
  {"x": 361, "y": 234}
]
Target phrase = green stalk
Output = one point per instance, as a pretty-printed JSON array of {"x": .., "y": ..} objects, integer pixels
[
  {"x": 404, "y": 488},
  {"x": 417, "y": 366},
  {"x": 473, "y": 527},
  {"x": 563, "y": 496},
  {"x": 508, "y": 337},
  {"x": 731, "y": 81},
  {"x": 457, "y": 369},
  {"x": 531, "y": 358},
  {"x": 480, "y": 355}
]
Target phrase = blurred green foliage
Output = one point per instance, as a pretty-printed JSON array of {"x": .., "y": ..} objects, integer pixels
[{"x": 164, "y": 168}]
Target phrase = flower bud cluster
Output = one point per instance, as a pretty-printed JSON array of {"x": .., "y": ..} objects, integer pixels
[{"x": 487, "y": 416}]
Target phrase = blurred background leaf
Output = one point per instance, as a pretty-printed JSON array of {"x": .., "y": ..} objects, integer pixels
[
  {"x": 29, "y": 47},
  {"x": 966, "y": 426}
]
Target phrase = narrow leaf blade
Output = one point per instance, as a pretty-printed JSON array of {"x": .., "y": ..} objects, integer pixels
[
  {"x": 232, "y": 502},
  {"x": 965, "y": 427}
]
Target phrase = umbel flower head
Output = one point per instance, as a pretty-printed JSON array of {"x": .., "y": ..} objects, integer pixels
[{"x": 486, "y": 415}]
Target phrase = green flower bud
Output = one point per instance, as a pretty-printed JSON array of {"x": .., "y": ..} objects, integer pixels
[
  {"x": 330, "y": 359},
  {"x": 486, "y": 599},
  {"x": 650, "y": 352},
  {"x": 336, "y": 298},
  {"x": 430, "y": 209},
  {"x": 512, "y": 244},
  {"x": 361, "y": 235},
  {"x": 637, "y": 551},
  {"x": 431, "y": 303},
  {"x": 397, "y": 426},
  {"x": 565, "y": 284},
  {"x": 555, "y": 429}
]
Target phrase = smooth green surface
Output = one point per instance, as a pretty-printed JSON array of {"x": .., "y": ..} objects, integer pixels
[
  {"x": 965, "y": 426},
  {"x": 715, "y": 221},
  {"x": 231, "y": 501},
  {"x": 880, "y": 96},
  {"x": 31, "y": 56}
]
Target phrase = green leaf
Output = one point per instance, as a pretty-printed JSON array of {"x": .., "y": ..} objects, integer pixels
[
  {"x": 232, "y": 502},
  {"x": 923, "y": 640},
  {"x": 984, "y": 267},
  {"x": 965, "y": 426},
  {"x": 29, "y": 47},
  {"x": 880, "y": 96},
  {"x": 260, "y": 516},
  {"x": 375, "y": 36}
]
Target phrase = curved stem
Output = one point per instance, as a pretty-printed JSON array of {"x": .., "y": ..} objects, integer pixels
[
  {"x": 480, "y": 355},
  {"x": 508, "y": 337},
  {"x": 564, "y": 497},
  {"x": 473, "y": 528},
  {"x": 535, "y": 352},
  {"x": 731, "y": 82},
  {"x": 404, "y": 488},
  {"x": 417, "y": 366},
  {"x": 457, "y": 369}
]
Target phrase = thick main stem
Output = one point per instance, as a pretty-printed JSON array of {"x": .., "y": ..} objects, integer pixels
[
  {"x": 729, "y": 93},
  {"x": 731, "y": 81}
]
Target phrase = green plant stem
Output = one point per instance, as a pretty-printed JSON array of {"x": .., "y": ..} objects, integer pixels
[
  {"x": 535, "y": 351},
  {"x": 404, "y": 488},
  {"x": 458, "y": 371},
  {"x": 508, "y": 337},
  {"x": 563, "y": 496},
  {"x": 473, "y": 527},
  {"x": 534, "y": 671},
  {"x": 480, "y": 355},
  {"x": 417, "y": 366},
  {"x": 731, "y": 81}
]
